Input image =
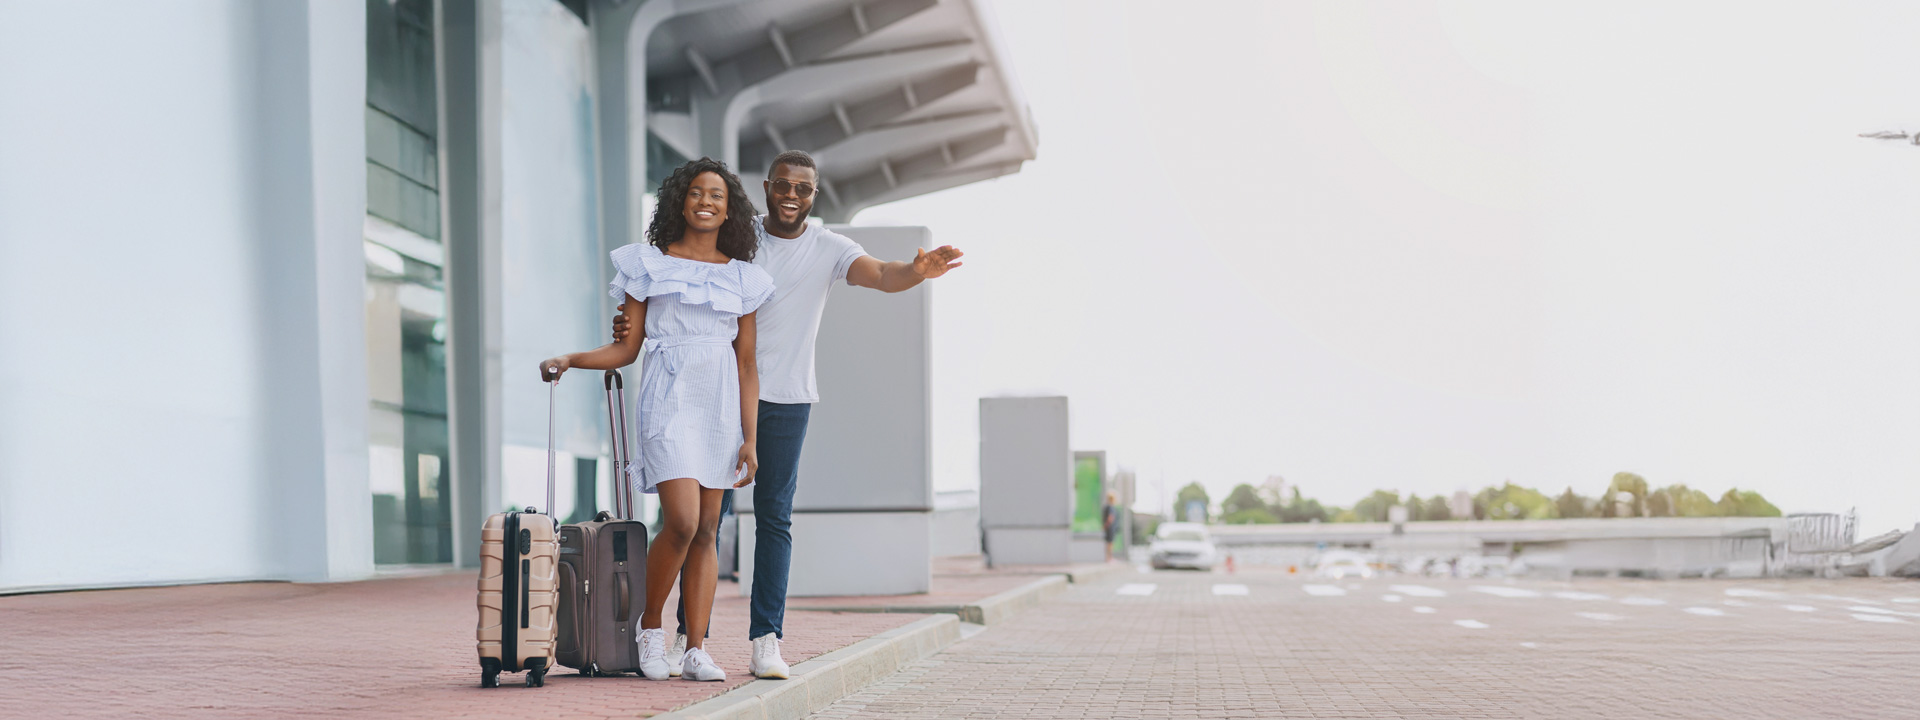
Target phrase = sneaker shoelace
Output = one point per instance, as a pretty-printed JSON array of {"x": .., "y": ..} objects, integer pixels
[
  {"x": 767, "y": 650},
  {"x": 652, "y": 647},
  {"x": 699, "y": 658}
]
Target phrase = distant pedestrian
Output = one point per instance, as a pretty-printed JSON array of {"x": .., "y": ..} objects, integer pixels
[{"x": 1110, "y": 523}]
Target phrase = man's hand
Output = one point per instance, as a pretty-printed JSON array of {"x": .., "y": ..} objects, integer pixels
[
  {"x": 930, "y": 265},
  {"x": 620, "y": 325}
]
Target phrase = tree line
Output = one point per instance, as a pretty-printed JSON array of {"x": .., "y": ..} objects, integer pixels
[{"x": 1627, "y": 495}]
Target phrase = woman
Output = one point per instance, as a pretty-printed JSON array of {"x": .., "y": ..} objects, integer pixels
[{"x": 692, "y": 289}]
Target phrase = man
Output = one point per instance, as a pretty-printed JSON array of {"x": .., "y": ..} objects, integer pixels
[{"x": 805, "y": 260}]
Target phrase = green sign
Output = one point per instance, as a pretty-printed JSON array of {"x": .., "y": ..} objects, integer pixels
[{"x": 1088, "y": 496}]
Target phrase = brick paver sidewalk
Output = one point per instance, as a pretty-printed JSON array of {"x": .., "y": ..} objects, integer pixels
[
  {"x": 1263, "y": 645},
  {"x": 382, "y": 648}
]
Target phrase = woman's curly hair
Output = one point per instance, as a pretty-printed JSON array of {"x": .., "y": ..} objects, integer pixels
[{"x": 737, "y": 238}]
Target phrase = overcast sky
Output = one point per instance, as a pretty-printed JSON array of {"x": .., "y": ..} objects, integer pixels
[{"x": 1434, "y": 246}]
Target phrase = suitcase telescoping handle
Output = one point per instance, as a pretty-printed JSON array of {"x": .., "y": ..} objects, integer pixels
[
  {"x": 622, "y": 452},
  {"x": 552, "y": 385}
]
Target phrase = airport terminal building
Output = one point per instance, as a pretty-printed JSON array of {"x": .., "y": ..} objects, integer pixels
[{"x": 275, "y": 276}]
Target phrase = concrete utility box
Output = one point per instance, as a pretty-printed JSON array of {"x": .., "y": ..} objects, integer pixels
[
  {"x": 863, "y": 510},
  {"x": 1026, "y": 481}
]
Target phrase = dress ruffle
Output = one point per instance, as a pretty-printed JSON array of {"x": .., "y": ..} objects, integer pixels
[{"x": 644, "y": 272}]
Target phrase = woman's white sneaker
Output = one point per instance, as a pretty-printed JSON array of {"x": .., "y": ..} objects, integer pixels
[
  {"x": 676, "y": 654},
  {"x": 697, "y": 666},
  {"x": 653, "y": 653},
  {"x": 766, "y": 661}
]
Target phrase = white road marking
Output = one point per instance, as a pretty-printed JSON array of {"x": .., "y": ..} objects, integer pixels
[
  {"x": 1881, "y": 611},
  {"x": 1749, "y": 592},
  {"x": 1390, "y": 598},
  {"x": 1471, "y": 624},
  {"x": 1503, "y": 591},
  {"x": 1877, "y": 618},
  {"x": 1226, "y": 589},
  {"x": 1907, "y": 600},
  {"x": 1424, "y": 610},
  {"x": 1529, "y": 645},
  {"x": 1799, "y": 608},
  {"x": 1141, "y": 589},
  {"x": 1643, "y": 601},
  {"x": 1321, "y": 590},
  {"x": 1572, "y": 595},
  {"x": 1736, "y": 603},
  {"x": 1712, "y": 612},
  {"x": 1418, "y": 591},
  {"x": 1845, "y": 599},
  {"x": 1609, "y": 617}
]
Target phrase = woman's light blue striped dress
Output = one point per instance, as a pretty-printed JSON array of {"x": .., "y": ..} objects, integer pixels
[{"x": 689, "y": 414}]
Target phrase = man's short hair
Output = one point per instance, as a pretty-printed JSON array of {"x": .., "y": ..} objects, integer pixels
[{"x": 796, "y": 158}]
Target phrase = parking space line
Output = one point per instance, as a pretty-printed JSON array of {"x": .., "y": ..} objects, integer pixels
[
  {"x": 1140, "y": 589},
  {"x": 1471, "y": 624},
  {"x": 1229, "y": 589},
  {"x": 1323, "y": 590},
  {"x": 1418, "y": 591}
]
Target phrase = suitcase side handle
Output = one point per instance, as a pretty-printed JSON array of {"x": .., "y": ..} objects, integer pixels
[{"x": 623, "y": 590}]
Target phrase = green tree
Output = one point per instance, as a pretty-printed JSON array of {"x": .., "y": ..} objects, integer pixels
[
  {"x": 1746, "y": 503},
  {"x": 1243, "y": 498},
  {"x": 1437, "y": 509},
  {"x": 1513, "y": 502},
  {"x": 1572, "y": 505},
  {"x": 1688, "y": 502},
  {"x": 1373, "y": 508},
  {"x": 1191, "y": 492},
  {"x": 1625, "y": 482},
  {"x": 1249, "y": 516},
  {"x": 1342, "y": 515},
  {"x": 1416, "y": 509},
  {"x": 1301, "y": 510}
]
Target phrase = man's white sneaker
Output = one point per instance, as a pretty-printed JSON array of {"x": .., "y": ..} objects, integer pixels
[
  {"x": 766, "y": 661},
  {"x": 697, "y": 666},
  {"x": 653, "y": 653},
  {"x": 676, "y": 654}
]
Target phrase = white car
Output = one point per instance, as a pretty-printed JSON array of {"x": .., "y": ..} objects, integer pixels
[
  {"x": 1342, "y": 564},
  {"x": 1183, "y": 545}
]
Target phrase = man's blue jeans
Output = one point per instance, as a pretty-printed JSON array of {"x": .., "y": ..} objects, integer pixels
[{"x": 783, "y": 427}]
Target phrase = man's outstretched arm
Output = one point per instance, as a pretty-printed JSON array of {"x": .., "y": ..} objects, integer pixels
[{"x": 896, "y": 276}]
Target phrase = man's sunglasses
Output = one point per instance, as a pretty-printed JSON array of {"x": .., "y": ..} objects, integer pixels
[{"x": 782, "y": 187}]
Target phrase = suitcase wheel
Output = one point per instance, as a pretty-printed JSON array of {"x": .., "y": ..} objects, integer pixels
[
  {"x": 537, "y": 677},
  {"x": 489, "y": 672}
]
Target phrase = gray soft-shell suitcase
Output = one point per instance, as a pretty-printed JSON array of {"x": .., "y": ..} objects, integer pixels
[
  {"x": 603, "y": 569},
  {"x": 519, "y": 587}
]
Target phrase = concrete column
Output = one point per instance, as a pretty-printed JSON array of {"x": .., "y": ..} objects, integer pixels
[
  {"x": 310, "y": 76},
  {"x": 470, "y": 153},
  {"x": 1026, "y": 480}
]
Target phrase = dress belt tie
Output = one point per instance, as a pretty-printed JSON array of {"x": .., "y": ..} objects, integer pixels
[{"x": 671, "y": 361}]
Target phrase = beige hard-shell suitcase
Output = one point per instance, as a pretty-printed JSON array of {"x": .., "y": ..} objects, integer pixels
[{"x": 520, "y": 587}]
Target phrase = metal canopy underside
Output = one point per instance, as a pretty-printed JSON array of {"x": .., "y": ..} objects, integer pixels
[{"x": 894, "y": 98}]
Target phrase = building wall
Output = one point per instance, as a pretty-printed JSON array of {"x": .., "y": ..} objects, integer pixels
[{"x": 181, "y": 193}]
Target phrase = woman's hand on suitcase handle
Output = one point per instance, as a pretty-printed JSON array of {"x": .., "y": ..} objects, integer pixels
[
  {"x": 749, "y": 459},
  {"x": 550, "y": 369}
]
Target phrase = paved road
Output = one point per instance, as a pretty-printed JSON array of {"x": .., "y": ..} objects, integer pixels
[{"x": 1191, "y": 645}]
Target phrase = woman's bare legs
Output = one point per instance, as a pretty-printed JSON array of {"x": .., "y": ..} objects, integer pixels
[
  {"x": 680, "y": 501},
  {"x": 701, "y": 571}
]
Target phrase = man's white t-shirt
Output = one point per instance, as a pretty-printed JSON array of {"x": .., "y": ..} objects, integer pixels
[{"x": 804, "y": 269}]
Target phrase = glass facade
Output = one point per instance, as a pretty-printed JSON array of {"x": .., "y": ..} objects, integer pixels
[{"x": 406, "y": 296}]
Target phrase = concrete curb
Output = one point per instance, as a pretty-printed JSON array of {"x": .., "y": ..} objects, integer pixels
[
  {"x": 1089, "y": 573},
  {"x": 820, "y": 682},
  {"x": 998, "y": 608}
]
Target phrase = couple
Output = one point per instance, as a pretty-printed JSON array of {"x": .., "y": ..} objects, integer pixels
[{"x": 720, "y": 296}]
